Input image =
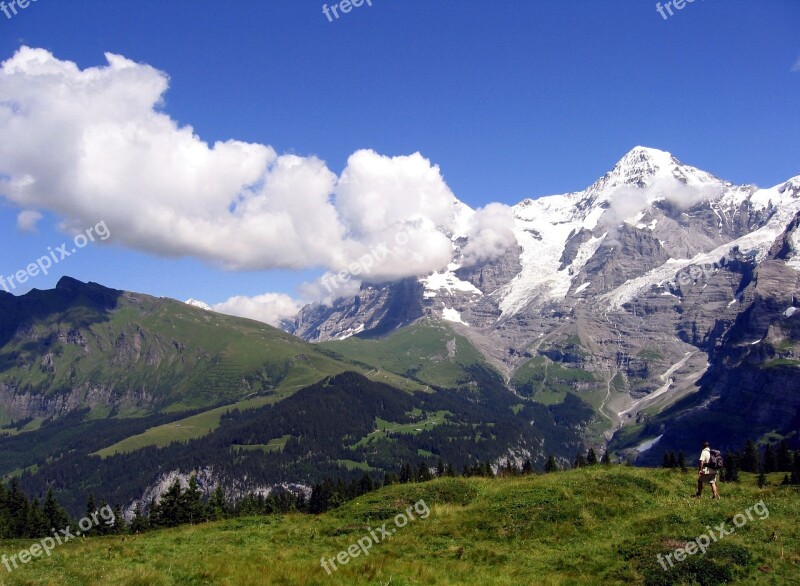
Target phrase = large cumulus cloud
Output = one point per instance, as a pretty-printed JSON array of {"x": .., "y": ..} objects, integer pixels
[{"x": 96, "y": 144}]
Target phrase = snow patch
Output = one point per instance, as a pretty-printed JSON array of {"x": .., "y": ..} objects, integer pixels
[
  {"x": 446, "y": 281},
  {"x": 644, "y": 446},
  {"x": 581, "y": 288},
  {"x": 451, "y": 314}
]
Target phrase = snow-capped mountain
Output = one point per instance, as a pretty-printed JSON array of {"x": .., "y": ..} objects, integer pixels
[
  {"x": 636, "y": 279},
  {"x": 200, "y": 304}
]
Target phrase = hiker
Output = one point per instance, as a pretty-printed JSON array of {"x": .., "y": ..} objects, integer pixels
[{"x": 706, "y": 474}]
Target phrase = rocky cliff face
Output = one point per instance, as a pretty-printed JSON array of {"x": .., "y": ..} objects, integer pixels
[{"x": 640, "y": 280}]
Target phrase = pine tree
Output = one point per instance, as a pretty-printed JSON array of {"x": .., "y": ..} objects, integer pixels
[
  {"x": 750, "y": 458},
  {"x": 580, "y": 461},
  {"x": 681, "y": 461},
  {"x": 90, "y": 506},
  {"x": 762, "y": 479},
  {"x": 140, "y": 522},
  {"x": 17, "y": 509},
  {"x": 56, "y": 517},
  {"x": 166, "y": 513},
  {"x": 191, "y": 508},
  {"x": 786, "y": 480},
  {"x": 218, "y": 506},
  {"x": 551, "y": 465},
  {"x": 527, "y": 467},
  {"x": 591, "y": 457},
  {"x": 424, "y": 473},
  {"x": 732, "y": 466},
  {"x": 36, "y": 524},
  {"x": 406, "y": 474},
  {"x": 439, "y": 468},
  {"x": 119, "y": 520},
  {"x": 784, "y": 457},
  {"x": 770, "y": 459},
  {"x": 795, "y": 478},
  {"x": 606, "y": 459},
  {"x": 5, "y": 518},
  {"x": 101, "y": 527},
  {"x": 365, "y": 485},
  {"x": 451, "y": 472}
]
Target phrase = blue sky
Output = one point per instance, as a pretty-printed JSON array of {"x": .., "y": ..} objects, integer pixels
[{"x": 511, "y": 100}]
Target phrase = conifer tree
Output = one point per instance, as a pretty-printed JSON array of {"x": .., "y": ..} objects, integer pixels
[
  {"x": 366, "y": 485},
  {"x": 784, "y": 457},
  {"x": 5, "y": 518},
  {"x": 551, "y": 465},
  {"x": 423, "y": 473},
  {"x": 770, "y": 459},
  {"x": 191, "y": 508},
  {"x": 17, "y": 509},
  {"x": 119, "y": 520},
  {"x": 591, "y": 457},
  {"x": 36, "y": 524},
  {"x": 56, "y": 517},
  {"x": 750, "y": 458}
]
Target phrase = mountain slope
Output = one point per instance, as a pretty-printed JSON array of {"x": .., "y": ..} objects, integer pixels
[
  {"x": 625, "y": 288},
  {"x": 127, "y": 354},
  {"x": 429, "y": 352}
]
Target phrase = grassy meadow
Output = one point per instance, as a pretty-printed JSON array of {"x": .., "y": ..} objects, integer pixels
[{"x": 598, "y": 525}]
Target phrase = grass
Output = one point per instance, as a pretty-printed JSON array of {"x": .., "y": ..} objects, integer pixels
[
  {"x": 383, "y": 427},
  {"x": 781, "y": 362},
  {"x": 275, "y": 445},
  {"x": 591, "y": 526},
  {"x": 548, "y": 382},
  {"x": 429, "y": 352}
]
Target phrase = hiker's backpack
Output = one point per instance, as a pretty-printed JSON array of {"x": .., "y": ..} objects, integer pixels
[{"x": 715, "y": 462}]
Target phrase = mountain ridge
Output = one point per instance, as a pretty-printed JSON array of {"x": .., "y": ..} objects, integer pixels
[{"x": 633, "y": 280}]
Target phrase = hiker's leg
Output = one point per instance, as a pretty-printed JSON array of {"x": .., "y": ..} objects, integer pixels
[{"x": 714, "y": 489}]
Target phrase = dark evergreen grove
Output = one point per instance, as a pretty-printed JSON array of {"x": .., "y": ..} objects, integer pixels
[
  {"x": 328, "y": 426},
  {"x": 751, "y": 458}
]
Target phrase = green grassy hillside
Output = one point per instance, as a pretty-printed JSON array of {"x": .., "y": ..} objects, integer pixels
[
  {"x": 127, "y": 355},
  {"x": 591, "y": 526},
  {"x": 147, "y": 353},
  {"x": 427, "y": 351}
]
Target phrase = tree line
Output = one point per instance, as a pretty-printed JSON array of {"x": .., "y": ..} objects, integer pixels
[
  {"x": 751, "y": 458},
  {"x": 23, "y": 518}
]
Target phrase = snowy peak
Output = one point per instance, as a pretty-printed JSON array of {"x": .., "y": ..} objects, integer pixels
[
  {"x": 641, "y": 163},
  {"x": 200, "y": 304},
  {"x": 644, "y": 167}
]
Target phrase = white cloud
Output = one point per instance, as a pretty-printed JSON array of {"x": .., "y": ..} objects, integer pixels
[
  {"x": 490, "y": 234},
  {"x": 627, "y": 201},
  {"x": 796, "y": 66},
  {"x": 270, "y": 308},
  {"x": 28, "y": 219},
  {"x": 95, "y": 144}
]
